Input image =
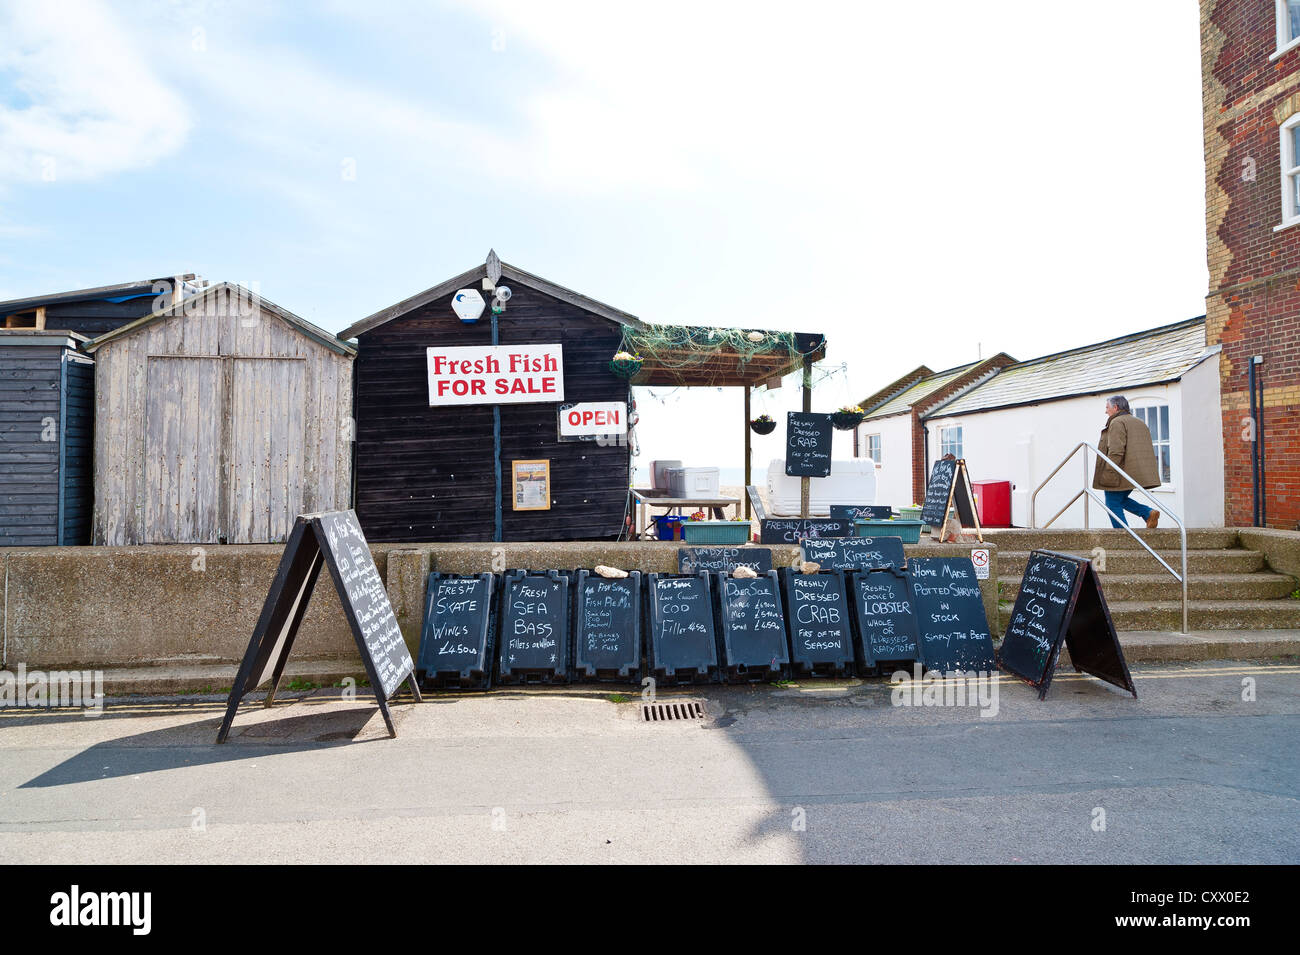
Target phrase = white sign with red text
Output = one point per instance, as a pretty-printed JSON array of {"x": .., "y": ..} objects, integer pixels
[
  {"x": 496, "y": 374},
  {"x": 593, "y": 418}
]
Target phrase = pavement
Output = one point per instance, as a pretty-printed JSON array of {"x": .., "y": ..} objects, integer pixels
[{"x": 1201, "y": 768}]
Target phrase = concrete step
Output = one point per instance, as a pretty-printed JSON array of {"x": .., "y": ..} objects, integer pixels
[
  {"x": 1145, "y": 587},
  {"x": 1233, "y": 560},
  {"x": 1166, "y": 615},
  {"x": 1080, "y": 541}
]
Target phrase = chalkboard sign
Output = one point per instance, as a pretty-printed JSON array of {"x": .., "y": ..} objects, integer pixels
[
  {"x": 950, "y": 615},
  {"x": 861, "y": 512},
  {"x": 756, "y": 501},
  {"x": 534, "y": 628},
  {"x": 807, "y": 444},
  {"x": 818, "y": 619},
  {"x": 1060, "y": 599},
  {"x": 607, "y": 631},
  {"x": 947, "y": 478},
  {"x": 333, "y": 540},
  {"x": 782, "y": 530},
  {"x": 753, "y": 628},
  {"x": 456, "y": 643},
  {"x": 855, "y": 553},
  {"x": 886, "y": 617},
  {"x": 682, "y": 645},
  {"x": 692, "y": 560}
]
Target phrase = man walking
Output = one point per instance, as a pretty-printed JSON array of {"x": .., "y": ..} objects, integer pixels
[{"x": 1127, "y": 442}]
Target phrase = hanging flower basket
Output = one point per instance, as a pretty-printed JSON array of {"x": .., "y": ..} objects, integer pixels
[
  {"x": 625, "y": 364},
  {"x": 762, "y": 425},
  {"x": 846, "y": 419}
]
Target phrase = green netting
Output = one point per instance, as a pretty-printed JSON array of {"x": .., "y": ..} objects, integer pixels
[{"x": 682, "y": 347}]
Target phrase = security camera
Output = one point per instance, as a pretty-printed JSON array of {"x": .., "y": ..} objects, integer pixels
[{"x": 503, "y": 293}]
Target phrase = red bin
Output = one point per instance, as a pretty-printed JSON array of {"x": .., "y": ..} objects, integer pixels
[{"x": 993, "y": 502}]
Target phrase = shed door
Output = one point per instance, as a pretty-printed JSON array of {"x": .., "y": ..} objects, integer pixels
[
  {"x": 182, "y": 450},
  {"x": 267, "y": 437}
]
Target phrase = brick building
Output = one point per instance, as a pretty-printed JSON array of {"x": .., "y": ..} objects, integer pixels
[{"x": 1250, "y": 72}]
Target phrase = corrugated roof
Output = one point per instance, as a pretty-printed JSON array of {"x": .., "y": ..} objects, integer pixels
[
  {"x": 1143, "y": 358},
  {"x": 901, "y": 402}
]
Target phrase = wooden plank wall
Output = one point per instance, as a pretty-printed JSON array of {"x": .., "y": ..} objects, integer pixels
[
  {"x": 425, "y": 474},
  {"x": 29, "y": 465},
  {"x": 77, "y": 472},
  {"x": 96, "y": 318},
  {"x": 124, "y": 472}
]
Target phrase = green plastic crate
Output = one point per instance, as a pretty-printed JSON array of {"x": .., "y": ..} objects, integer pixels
[
  {"x": 717, "y": 532},
  {"x": 909, "y": 531}
]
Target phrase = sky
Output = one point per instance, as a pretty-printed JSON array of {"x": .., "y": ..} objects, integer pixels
[{"x": 923, "y": 183}]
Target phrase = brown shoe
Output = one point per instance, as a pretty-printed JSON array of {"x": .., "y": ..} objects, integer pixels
[{"x": 1153, "y": 519}]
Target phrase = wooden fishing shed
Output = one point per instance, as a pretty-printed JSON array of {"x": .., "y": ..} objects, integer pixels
[
  {"x": 219, "y": 420},
  {"x": 47, "y": 389},
  {"x": 46, "y": 418},
  {"x": 441, "y": 473}
]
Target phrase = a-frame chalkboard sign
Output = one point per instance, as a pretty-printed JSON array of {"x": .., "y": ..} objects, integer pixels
[
  {"x": 333, "y": 539},
  {"x": 1060, "y": 599},
  {"x": 949, "y": 485}
]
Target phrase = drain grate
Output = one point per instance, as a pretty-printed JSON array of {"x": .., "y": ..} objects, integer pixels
[{"x": 663, "y": 712}]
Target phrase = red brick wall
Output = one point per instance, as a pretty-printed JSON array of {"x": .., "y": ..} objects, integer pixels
[
  {"x": 1253, "y": 306},
  {"x": 920, "y": 477}
]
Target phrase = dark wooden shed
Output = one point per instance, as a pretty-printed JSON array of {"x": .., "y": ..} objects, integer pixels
[
  {"x": 46, "y": 435},
  {"x": 429, "y": 473}
]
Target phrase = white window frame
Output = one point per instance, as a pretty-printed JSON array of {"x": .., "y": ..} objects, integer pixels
[
  {"x": 1136, "y": 404},
  {"x": 1290, "y": 164},
  {"x": 879, "y": 454},
  {"x": 944, "y": 443},
  {"x": 1285, "y": 42}
]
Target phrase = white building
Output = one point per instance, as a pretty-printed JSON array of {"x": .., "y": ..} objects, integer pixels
[{"x": 1019, "y": 424}]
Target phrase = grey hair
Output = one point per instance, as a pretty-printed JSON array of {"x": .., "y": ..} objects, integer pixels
[{"x": 1120, "y": 402}]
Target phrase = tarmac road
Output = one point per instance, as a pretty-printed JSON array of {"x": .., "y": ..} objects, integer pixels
[{"x": 826, "y": 772}]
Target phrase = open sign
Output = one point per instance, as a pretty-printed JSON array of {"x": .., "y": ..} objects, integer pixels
[{"x": 593, "y": 418}]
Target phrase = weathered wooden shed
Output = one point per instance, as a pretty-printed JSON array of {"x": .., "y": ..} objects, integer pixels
[
  {"x": 219, "y": 419},
  {"x": 429, "y": 473},
  {"x": 95, "y": 311},
  {"x": 46, "y": 418}
]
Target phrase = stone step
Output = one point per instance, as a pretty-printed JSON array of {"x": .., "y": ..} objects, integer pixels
[
  {"x": 1146, "y": 587},
  {"x": 1166, "y": 615},
  {"x": 1235, "y": 560},
  {"x": 1075, "y": 541}
]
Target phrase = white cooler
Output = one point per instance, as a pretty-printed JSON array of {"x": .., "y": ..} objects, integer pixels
[{"x": 694, "y": 482}]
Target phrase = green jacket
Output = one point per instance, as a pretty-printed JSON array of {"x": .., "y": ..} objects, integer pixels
[{"x": 1127, "y": 442}]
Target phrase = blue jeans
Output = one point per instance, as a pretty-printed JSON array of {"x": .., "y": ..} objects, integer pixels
[{"x": 1118, "y": 502}]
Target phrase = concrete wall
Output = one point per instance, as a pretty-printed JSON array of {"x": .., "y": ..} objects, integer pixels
[
  {"x": 113, "y": 607},
  {"x": 1024, "y": 444}
]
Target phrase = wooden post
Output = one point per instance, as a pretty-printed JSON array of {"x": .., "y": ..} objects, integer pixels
[
  {"x": 748, "y": 394},
  {"x": 805, "y": 484},
  {"x": 40, "y": 317}
]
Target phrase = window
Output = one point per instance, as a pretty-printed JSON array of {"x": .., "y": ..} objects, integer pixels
[
  {"x": 1156, "y": 418},
  {"x": 873, "y": 447},
  {"x": 950, "y": 441},
  {"x": 1290, "y": 153},
  {"x": 1288, "y": 24}
]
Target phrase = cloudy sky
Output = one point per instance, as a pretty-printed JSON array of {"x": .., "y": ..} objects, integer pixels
[{"x": 924, "y": 183}]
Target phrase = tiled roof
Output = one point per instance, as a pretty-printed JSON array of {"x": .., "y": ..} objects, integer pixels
[
  {"x": 912, "y": 395},
  {"x": 1144, "y": 358}
]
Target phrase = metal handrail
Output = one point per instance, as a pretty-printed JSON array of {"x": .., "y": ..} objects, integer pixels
[{"x": 1087, "y": 492}]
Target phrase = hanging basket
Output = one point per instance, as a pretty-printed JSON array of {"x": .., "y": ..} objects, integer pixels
[
  {"x": 625, "y": 367},
  {"x": 846, "y": 420},
  {"x": 762, "y": 427}
]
